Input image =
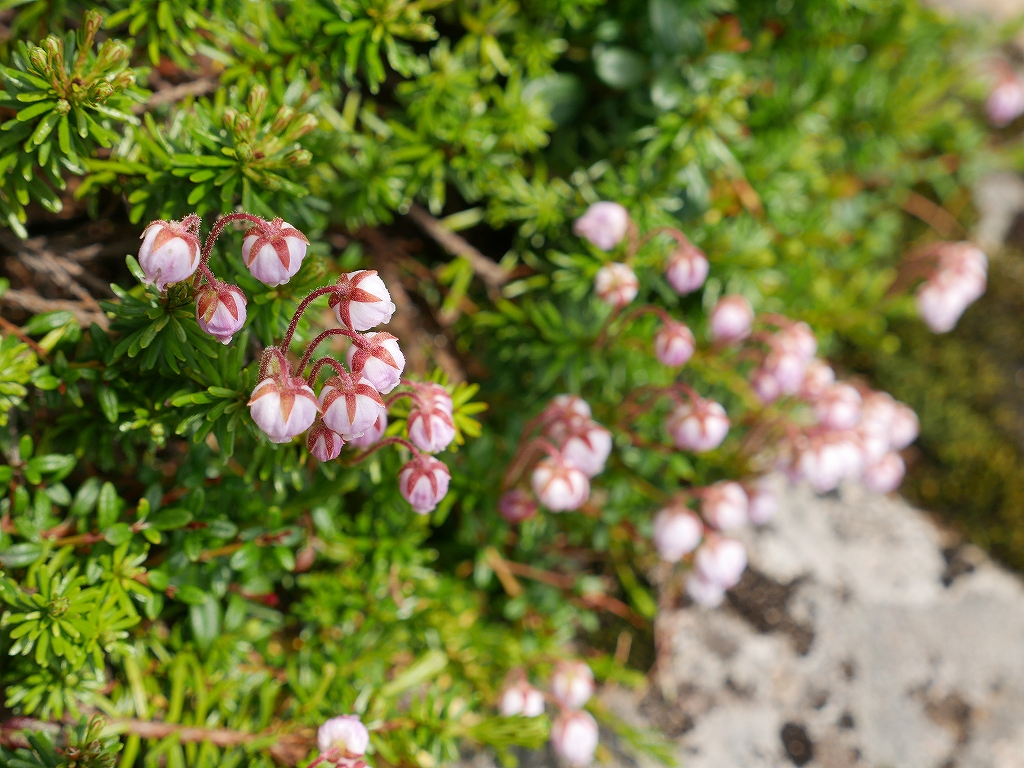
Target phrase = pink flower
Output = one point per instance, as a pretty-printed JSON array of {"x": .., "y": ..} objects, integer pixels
[
  {"x": 517, "y": 505},
  {"x": 283, "y": 407},
  {"x": 764, "y": 504},
  {"x": 220, "y": 310},
  {"x": 886, "y": 474},
  {"x": 765, "y": 386},
  {"x": 431, "y": 426},
  {"x": 564, "y": 407},
  {"x": 830, "y": 458},
  {"x": 687, "y": 268},
  {"x": 704, "y": 592},
  {"x": 674, "y": 344},
  {"x": 698, "y": 426},
  {"x": 423, "y": 482},
  {"x": 361, "y": 300},
  {"x": 376, "y": 356},
  {"x": 572, "y": 684},
  {"x": 350, "y": 405},
  {"x": 616, "y": 284},
  {"x": 574, "y": 737},
  {"x": 345, "y": 738},
  {"x": 838, "y": 407},
  {"x": 817, "y": 378},
  {"x": 584, "y": 443},
  {"x": 724, "y": 505},
  {"x": 273, "y": 251},
  {"x": 1006, "y": 101},
  {"x": 677, "y": 532},
  {"x": 904, "y": 428},
  {"x": 721, "y": 561},
  {"x": 944, "y": 298},
  {"x": 324, "y": 444},
  {"x": 521, "y": 698},
  {"x": 731, "y": 319},
  {"x": 787, "y": 367},
  {"x": 560, "y": 485},
  {"x": 798, "y": 339},
  {"x": 373, "y": 434},
  {"x": 169, "y": 253},
  {"x": 604, "y": 224}
]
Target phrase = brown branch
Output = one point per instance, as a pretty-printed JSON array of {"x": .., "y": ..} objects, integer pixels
[
  {"x": 10, "y": 327},
  {"x": 171, "y": 94},
  {"x": 934, "y": 215},
  {"x": 32, "y": 302},
  {"x": 492, "y": 273}
]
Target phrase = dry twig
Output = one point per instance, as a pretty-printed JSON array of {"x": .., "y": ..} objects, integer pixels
[{"x": 492, "y": 273}]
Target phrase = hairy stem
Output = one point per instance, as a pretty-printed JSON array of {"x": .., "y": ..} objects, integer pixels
[{"x": 298, "y": 313}]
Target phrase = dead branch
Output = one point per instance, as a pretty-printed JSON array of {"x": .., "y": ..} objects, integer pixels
[
  {"x": 493, "y": 274},
  {"x": 31, "y": 301},
  {"x": 173, "y": 93}
]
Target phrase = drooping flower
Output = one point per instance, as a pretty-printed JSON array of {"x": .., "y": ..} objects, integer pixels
[
  {"x": 1005, "y": 102},
  {"x": 763, "y": 503},
  {"x": 699, "y": 426},
  {"x": 350, "y": 404},
  {"x": 574, "y": 736},
  {"x": 616, "y": 284},
  {"x": 674, "y": 344},
  {"x": 373, "y": 434},
  {"x": 838, "y": 406},
  {"x": 817, "y": 377},
  {"x": 283, "y": 407},
  {"x": 564, "y": 407},
  {"x": 572, "y": 684},
  {"x": 886, "y": 474},
  {"x": 344, "y": 739},
  {"x": 704, "y": 591},
  {"x": 959, "y": 280},
  {"x": 731, "y": 319},
  {"x": 521, "y": 698},
  {"x": 273, "y": 251},
  {"x": 677, "y": 532},
  {"x": 517, "y": 505},
  {"x": 361, "y": 301},
  {"x": 604, "y": 224},
  {"x": 423, "y": 482},
  {"x": 687, "y": 268},
  {"x": 721, "y": 561},
  {"x": 724, "y": 505},
  {"x": 220, "y": 310},
  {"x": 323, "y": 443},
  {"x": 169, "y": 253},
  {"x": 584, "y": 443},
  {"x": 829, "y": 458},
  {"x": 560, "y": 485},
  {"x": 904, "y": 428},
  {"x": 431, "y": 427},
  {"x": 377, "y": 356}
]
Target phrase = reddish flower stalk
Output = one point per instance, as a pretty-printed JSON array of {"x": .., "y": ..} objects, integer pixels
[
  {"x": 286, "y": 343},
  {"x": 316, "y": 342}
]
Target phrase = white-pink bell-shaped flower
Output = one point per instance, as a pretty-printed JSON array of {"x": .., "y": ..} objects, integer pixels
[
  {"x": 560, "y": 485},
  {"x": 1005, "y": 102},
  {"x": 345, "y": 738},
  {"x": 830, "y": 458},
  {"x": 604, "y": 225},
  {"x": 323, "y": 443},
  {"x": 283, "y": 407},
  {"x": 361, "y": 301},
  {"x": 572, "y": 684},
  {"x": 220, "y": 310},
  {"x": 376, "y": 356},
  {"x": 687, "y": 268},
  {"x": 838, "y": 407},
  {"x": 763, "y": 503},
  {"x": 566, "y": 407},
  {"x": 273, "y": 251},
  {"x": 724, "y": 505},
  {"x": 886, "y": 474},
  {"x": 431, "y": 425},
  {"x": 574, "y": 737},
  {"x": 698, "y": 426},
  {"x": 521, "y": 698},
  {"x": 677, "y": 532},
  {"x": 423, "y": 482},
  {"x": 169, "y": 252},
  {"x": 787, "y": 367},
  {"x": 798, "y": 339},
  {"x": 585, "y": 443},
  {"x": 703, "y": 591},
  {"x": 765, "y": 386},
  {"x": 373, "y": 434},
  {"x": 904, "y": 427},
  {"x": 818, "y": 376},
  {"x": 731, "y": 319},
  {"x": 721, "y": 561},
  {"x": 616, "y": 284},
  {"x": 350, "y": 404},
  {"x": 517, "y": 505},
  {"x": 674, "y": 344}
]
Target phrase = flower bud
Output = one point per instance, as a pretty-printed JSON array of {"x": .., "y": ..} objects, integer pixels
[
  {"x": 431, "y": 426},
  {"x": 830, "y": 458},
  {"x": 817, "y": 378},
  {"x": 169, "y": 253},
  {"x": 604, "y": 225},
  {"x": 945, "y": 297},
  {"x": 674, "y": 344},
  {"x": 437, "y": 395},
  {"x": 616, "y": 284},
  {"x": 273, "y": 251},
  {"x": 220, "y": 310},
  {"x": 787, "y": 367},
  {"x": 584, "y": 443},
  {"x": 677, "y": 532},
  {"x": 765, "y": 386},
  {"x": 886, "y": 474},
  {"x": 687, "y": 269},
  {"x": 423, "y": 482},
  {"x": 838, "y": 407},
  {"x": 564, "y": 407},
  {"x": 377, "y": 356},
  {"x": 323, "y": 444},
  {"x": 559, "y": 485},
  {"x": 721, "y": 561},
  {"x": 1006, "y": 101},
  {"x": 763, "y": 503},
  {"x": 904, "y": 428},
  {"x": 572, "y": 684},
  {"x": 798, "y": 339},
  {"x": 724, "y": 505},
  {"x": 361, "y": 300},
  {"x": 731, "y": 319},
  {"x": 703, "y": 591},
  {"x": 345, "y": 738},
  {"x": 698, "y": 426},
  {"x": 521, "y": 698},
  {"x": 283, "y": 407},
  {"x": 373, "y": 434},
  {"x": 350, "y": 405},
  {"x": 517, "y": 505},
  {"x": 574, "y": 737}
]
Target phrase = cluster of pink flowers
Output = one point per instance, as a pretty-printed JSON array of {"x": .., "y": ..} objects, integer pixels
[
  {"x": 350, "y": 407},
  {"x": 574, "y": 732},
  {"x": 958, "y": 280},
  {"x": 342, "y": 741}
]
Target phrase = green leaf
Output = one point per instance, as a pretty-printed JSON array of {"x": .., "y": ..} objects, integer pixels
[
  {"x": 108, "y": 403},
  {"x": 169, "y": 519},
  {"x": 107, "y": 507}
]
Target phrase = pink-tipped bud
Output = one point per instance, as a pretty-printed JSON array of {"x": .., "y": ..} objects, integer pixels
[
  {"x": 323, "y": 444},
  {"x": 698, "y": 426},
  {"x": 273, "y": 251},
  {"x": 945, "y": 297},
  {"x": 838, "y": 407},
  {"x": 830, "y": 458},
  {"x": 345, "y": 738},
  {"x": 373, "y": 434},
  {"x": 687, "y": 269},
  {"x": 431, "y": 426},
  {"x": 377, "y": 356},
  {"x": 572, "y": 684},
  {"x": 560, "y": 485},
  {"x": 616, "y": 284},
  {"x": 517, "y": 505},
  {"x": 434, "y": 393},
  {"x": 423, "y": 482},
  {"x": 721, "y": 561},
  {"x": 604, "y": 224},
  {"x": 220, "y": 310},
  {"x": 704, "y": 591},
  {"x": 1006, "y": 101},
  {"x": 584, "y": 443},
  {"x": 574, "y": 736},
  {"x": 731, "y": 319},
  {"x": 765, "y": 386},
  {"x": 521, "y": 698},
  {"x": 725, "y": 505},
  {"x": 764, "y": 504},
  {"x": 283, "y": 407},
  {"x": 566, "y": 407},
  {"x": 169, "y": 253},
  {"x": 817, "y": 378},
  {"x": 350, "y": 404},
  {"x": 886, "y": 474},
  {"x": 904, "y": 428},
  {"x": 361, "y": 300},
  {"x": 798, "y": 339},
  {"x": 787, "y": 367},
  {"x": 674, "y": 344},
  {"x": 677, "y": 532}
]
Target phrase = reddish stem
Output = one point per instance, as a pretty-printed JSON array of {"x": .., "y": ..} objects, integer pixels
[
  {"x": 298, "y": 313},
  {"x": 397, "y": 396},
  {"x": 218, "y": 229},
  {"x": 316, "y": 342},
  {"x": 382, "y": 444},
  {"x": 319, "y": 364}
]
